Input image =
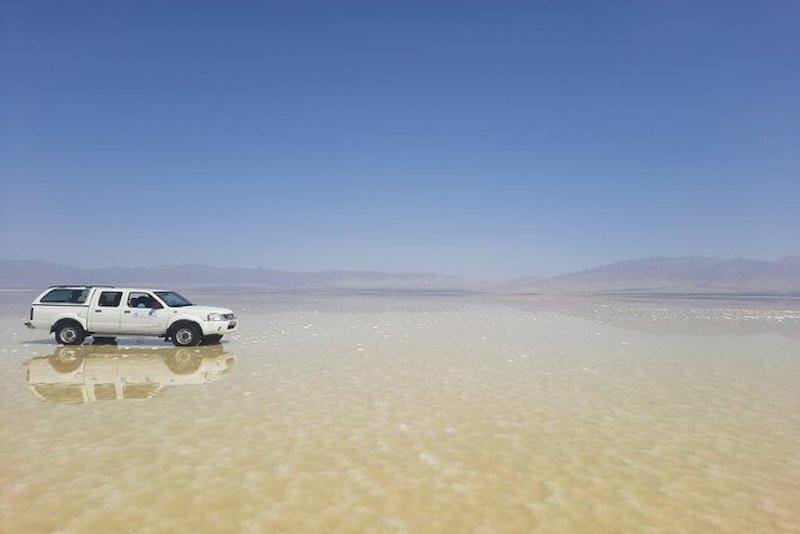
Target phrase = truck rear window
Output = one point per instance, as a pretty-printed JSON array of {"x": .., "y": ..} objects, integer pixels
[
  {"x": 66, "y": 295},
  {"x": 110, "y": 299}
]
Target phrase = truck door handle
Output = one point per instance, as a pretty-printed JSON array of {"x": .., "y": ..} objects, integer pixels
[
  {"x": 98, "y": 311},
  {"x": 126, "y": 311}
]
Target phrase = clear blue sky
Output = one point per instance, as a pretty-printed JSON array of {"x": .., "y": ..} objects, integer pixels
[{"x": 473, "y": 140}]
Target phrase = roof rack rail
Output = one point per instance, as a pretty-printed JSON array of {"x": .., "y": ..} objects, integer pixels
[{"x": 76, "y": 285}]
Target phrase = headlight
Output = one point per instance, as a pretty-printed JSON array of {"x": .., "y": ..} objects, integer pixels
[{"x": 214, "y": 317}]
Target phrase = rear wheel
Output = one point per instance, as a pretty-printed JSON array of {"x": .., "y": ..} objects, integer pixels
[
  {"x": 186, "y": 335},
  {"x": 66, "y": 359},
  {"x": 70, "y": 333},
  {"x": 211, "y": 340}
]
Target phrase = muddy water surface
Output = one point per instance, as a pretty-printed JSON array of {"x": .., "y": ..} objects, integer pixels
[{"x": 411, "y": 413}]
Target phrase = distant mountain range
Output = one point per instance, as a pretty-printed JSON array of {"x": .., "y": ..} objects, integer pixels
[
  {"x": 673, "y": 274},
  {"x": 37, "y": 273},
  {"x": 643, "y": 275}
]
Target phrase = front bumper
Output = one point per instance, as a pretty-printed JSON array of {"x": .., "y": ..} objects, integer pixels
[{"x": 219, "y": 328}]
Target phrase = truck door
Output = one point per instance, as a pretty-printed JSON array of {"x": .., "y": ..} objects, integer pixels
[
  {"x": 106, "y": 312},
  {"x": 142, "y": 313}
]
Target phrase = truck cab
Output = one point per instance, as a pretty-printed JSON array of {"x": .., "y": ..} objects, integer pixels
[{"x": 73, "y": 313}]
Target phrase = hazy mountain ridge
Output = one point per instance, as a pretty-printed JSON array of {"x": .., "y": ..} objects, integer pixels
[
  {"x": 37, "y": 273},
  {"x": 645, "y": 275},
  {"x": 675, "y": 274}
]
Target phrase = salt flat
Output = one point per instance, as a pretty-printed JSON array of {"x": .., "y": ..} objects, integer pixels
[{"x": 412, "y": 412}]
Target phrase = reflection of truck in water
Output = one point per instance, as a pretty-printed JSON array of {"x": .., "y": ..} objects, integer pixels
[{"x": 78, "y": 374}]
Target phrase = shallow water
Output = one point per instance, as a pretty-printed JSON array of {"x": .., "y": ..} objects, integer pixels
[{"x": 411, "y": 413}]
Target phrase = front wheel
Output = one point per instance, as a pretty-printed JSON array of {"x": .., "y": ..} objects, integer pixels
[
  {"x": 184, "y": 361},
  {"x": 186, "y": 335},
  {"x": 70, "y": 334}
]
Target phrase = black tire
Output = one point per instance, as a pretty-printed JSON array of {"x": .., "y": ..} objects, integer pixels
[
  {"x": 211, "y": 340},
  {"x": 66, "y": 359},
  {"x": 186, "y": 334},
  {"x": 183, "y": 361},
  {"x": 69, "y": 333},
  {"x": 104, "y": 340}
]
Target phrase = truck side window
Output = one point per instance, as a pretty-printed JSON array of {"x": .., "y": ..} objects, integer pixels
[
  {"x": 66, "y": 295},
  {"x": 143, "y": 300},
  {"x": 110, "y": 299}
]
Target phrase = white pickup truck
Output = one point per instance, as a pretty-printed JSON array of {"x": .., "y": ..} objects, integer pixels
[{"x": 104, "y": 312}]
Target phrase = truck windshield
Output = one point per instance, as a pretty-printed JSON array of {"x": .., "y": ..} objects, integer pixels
[{"x": 172, "y": 299}]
